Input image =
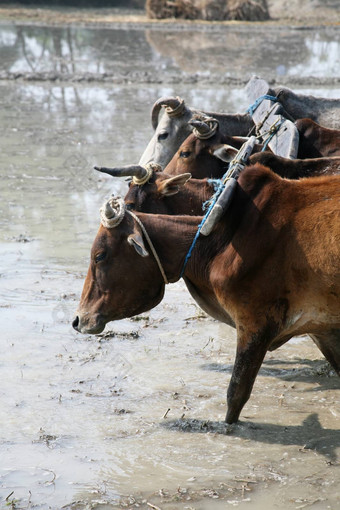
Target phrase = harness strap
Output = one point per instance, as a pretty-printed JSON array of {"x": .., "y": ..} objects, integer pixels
[{"x": 152, "y": 248}]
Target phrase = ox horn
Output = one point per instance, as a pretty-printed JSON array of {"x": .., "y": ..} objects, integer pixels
[
  {"x": 204, "y": 129},
  {"x": 124, "y": 171},
  {"x": 174, "y": 106},
  {"x": 109, "y": 211}
]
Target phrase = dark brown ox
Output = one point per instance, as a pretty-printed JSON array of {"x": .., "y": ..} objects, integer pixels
[
  {"x": 271, "y": 267},
  {"x": 210, "y": 158},
  {"x": 166, "y": 194},
  {"x": 316, "y": 141}
]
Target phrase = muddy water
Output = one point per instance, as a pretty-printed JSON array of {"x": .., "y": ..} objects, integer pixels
[{"x": 134, "y": 417}]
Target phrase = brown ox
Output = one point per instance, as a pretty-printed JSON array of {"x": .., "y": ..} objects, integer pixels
[
  {"x": 271, "y": 266},
  {"x": 166, "y": 194},
  {"x": 209, "y": 157}
]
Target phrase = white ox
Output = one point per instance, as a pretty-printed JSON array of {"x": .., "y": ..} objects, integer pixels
[{"x": 173, "y": 128}]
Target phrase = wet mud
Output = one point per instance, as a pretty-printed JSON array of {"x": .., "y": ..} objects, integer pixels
[{"x": 134, "y": 417}]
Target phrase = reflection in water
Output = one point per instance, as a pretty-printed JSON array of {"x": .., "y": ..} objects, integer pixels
[
  {"x": 323, "y": 58},
  {"x": 70, "y": 50},
  {"x": 228, "y": 51}
]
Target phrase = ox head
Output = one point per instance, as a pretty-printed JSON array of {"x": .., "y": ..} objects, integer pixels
[
  {"x": 150, "y": 188},
  {"x": 170, "y": 130},
  {"x": 197, "y": 154},
  {"x": 122, "y": 279}
]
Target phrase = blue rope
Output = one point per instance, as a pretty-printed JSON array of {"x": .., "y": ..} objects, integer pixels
[
  {"x": 212, "y": 201},
  {"x": 196, "y": 237},
  {"x": 216, "y": 184},
  {"x": 258, "y": 101}
]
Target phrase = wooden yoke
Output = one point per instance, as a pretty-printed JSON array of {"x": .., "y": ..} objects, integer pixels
[
  {"x": 222, "y": 199},
  {"x": 271, "y": 123}
]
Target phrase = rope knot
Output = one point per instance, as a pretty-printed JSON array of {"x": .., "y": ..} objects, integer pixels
[
  {"x": 149, "y": 168},
  {"x": 112, "y": 212}
]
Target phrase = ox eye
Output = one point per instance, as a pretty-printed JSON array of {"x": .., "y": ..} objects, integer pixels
[
  {"x": 100, "y": 257},
  {"x": 162, "y": 136},
  {"x": 184, "y": 154}
]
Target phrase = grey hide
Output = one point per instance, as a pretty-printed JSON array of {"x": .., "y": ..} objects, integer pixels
[{"x": 324, "y": 111}]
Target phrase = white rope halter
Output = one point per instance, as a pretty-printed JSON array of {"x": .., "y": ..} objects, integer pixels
[
  {"x": 112, "y": 213},
  {"x": 152, "y": 248},
  {"x": 175, "y": 112},
  {"x": 150, "y": 168},
  {"x": 213, "y": 125}
]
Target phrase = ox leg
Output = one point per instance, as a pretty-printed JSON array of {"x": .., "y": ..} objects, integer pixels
[
  {"x": 249, "y": 357},
  {"x": 329, "y": 345}
]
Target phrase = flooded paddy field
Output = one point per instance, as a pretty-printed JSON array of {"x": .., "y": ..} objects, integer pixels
[{"x": 134, "y": 417}]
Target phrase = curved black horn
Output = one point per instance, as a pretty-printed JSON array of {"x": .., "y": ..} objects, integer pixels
[
  {"x": 124, "y": 171},
  {"x": 170, "y": 102},
  {"x": 202, "y": 127}
]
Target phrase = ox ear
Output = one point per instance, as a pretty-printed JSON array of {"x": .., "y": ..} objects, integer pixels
[
  {"x": 225, "y": 152},
  {"x": 136, "y": 240},
  {"x": 172, "y": 185}
]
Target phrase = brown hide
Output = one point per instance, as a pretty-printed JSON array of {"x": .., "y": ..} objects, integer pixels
[
  {"x": 196, "y": 157},
  {"x": 297, "y": 168},
  {"x": 166, "y": 194},
  {"x": 265, "y": 264},
  {"x": 316, "y": 141}
]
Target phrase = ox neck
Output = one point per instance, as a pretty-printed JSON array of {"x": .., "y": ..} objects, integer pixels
[
  {"x": 152, "y": 248},
  {"x": 171, "y": 238}
]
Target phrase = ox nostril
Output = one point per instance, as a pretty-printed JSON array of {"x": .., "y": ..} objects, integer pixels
[{"x": 75, "y": 322}]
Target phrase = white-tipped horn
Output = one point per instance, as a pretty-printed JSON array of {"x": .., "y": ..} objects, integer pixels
[{"x": 108, "y": 211}]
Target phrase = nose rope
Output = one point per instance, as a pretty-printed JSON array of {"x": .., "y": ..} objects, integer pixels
[{"x": 152, "y": 248}]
